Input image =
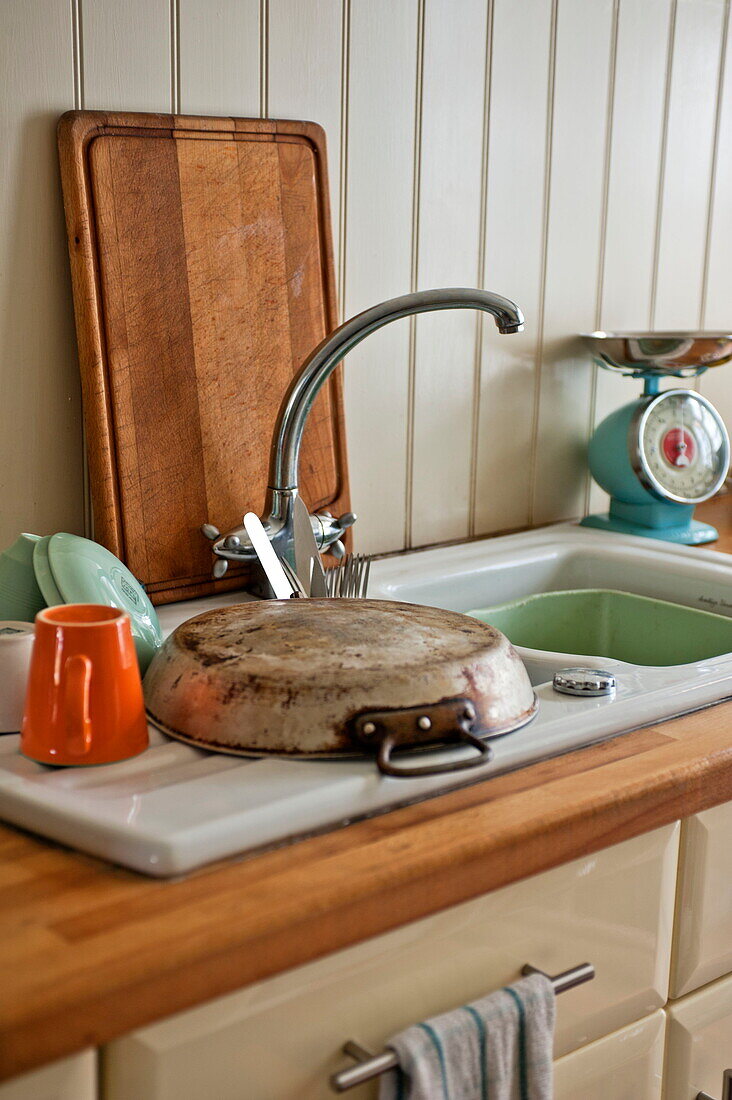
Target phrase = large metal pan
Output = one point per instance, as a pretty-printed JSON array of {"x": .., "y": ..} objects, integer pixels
[{"x": 320, "y": 678}]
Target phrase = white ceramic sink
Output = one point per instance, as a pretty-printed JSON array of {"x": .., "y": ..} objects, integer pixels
[
  {"x": 175, "y": 807},
  {"x": 488, "y": 572}
]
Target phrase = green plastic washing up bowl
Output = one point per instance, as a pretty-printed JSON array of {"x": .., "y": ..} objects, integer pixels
[{"x": 619, "y": 625}]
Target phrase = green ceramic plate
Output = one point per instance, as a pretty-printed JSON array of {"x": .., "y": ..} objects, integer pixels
[
  {"x": 43, "y": 573},
  {"x": 86, "y": 572},
  {"x": 604, "y": 623},
  {"x": 20, "y": 596}
]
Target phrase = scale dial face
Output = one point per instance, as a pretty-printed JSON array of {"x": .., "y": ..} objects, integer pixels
[{"x": 680, "y": 447}]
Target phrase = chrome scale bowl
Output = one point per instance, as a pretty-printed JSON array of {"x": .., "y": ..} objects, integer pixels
[{"x": 680, "y": 354}]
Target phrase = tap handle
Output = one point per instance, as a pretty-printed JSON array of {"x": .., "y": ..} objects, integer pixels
[{"x": 327, "y": 529}]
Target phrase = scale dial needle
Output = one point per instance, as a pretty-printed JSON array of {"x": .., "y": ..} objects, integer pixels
[{"x": 682, "y": 459}]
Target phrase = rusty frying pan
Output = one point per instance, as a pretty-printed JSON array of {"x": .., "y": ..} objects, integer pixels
[{"x": 335, "y": 678}]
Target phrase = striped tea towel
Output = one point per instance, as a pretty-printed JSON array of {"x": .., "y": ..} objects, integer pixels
[{"x": 498, "y": 1048}]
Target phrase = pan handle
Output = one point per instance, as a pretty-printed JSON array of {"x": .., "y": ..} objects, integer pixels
[
  {"x": 387, "y": 766},
  {"x": 449, "y": 722}
]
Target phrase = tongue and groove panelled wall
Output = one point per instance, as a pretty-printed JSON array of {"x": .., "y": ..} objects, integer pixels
[{"x": 575, "y": 155}]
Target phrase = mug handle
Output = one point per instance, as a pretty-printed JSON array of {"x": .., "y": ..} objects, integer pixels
[{"x": 78, "y": 671}]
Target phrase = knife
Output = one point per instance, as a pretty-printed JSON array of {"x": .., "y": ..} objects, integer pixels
[
  {"x": 308, "y": 565},
  {"x": 269, "y": 561},
  {"x": 298, "y": 589}
]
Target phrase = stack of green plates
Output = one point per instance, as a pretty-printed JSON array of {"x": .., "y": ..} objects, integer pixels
[
  {"x": 37, "y": 572},
  {"x": 20, "y": 596}
]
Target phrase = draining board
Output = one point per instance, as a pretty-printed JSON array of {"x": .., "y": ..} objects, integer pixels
[{"x": 176, "y": 808}]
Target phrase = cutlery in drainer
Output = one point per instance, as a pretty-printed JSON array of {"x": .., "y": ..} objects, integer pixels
[{"x": 349, "y": 579}]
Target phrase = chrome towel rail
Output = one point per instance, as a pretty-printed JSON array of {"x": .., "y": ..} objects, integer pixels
[{"x": 373, "y": 1065}]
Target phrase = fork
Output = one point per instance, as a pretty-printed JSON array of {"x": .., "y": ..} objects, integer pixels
[{"x": 350, "y": 578}]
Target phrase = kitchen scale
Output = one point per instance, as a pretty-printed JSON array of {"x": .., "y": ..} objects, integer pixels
[{"x": 667, "y": 451}]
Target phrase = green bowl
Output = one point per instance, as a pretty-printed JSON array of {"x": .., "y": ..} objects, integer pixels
[{"x": 618, "y": 625}]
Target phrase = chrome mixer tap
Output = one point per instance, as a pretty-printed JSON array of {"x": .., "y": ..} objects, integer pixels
[{"x": 282, "y": 491}]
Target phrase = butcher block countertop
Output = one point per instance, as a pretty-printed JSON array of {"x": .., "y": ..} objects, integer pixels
[{"x": 89, "y": 951}]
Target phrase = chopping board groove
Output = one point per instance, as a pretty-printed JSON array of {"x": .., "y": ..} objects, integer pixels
[{"x": 202, "y": 272}]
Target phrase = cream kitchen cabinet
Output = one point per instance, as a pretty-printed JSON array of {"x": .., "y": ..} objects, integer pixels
[
  {"x": 627, "y": 1065},
  {"x": 72, "y": 1078},
  {"x": 699, "y": 1042},
  {"x": 703, "y": 934},
  {"x": 281, "y": 1039}
]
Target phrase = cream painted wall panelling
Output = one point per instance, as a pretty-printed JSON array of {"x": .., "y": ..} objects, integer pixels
[
  {"x": 41, "y": 469},
  {"x": 126, "y": 55},
  {"x": 717, "y": 384},
  {"x": 216, "y": 58},
  {"x": 521, "y": 72},
  {"x": 689, "y": 156},
  {"x": 448, "y": 253},
  {"x": 564, "y": 152},
  {"x": 578, "y": 164},
  {"x": 635, "y": 155},
  {"x": 614, "y": 909},
  {"x": 384, "y": 64}
]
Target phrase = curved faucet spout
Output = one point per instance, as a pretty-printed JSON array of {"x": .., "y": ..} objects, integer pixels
[
  {"x": 282, "y": 492},
  {"x": 321, "y": 363}
]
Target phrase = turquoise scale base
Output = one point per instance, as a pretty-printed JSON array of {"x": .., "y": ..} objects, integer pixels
[
  {"x": 634, "y": 510},
  {"x": 691, "y": 533}
]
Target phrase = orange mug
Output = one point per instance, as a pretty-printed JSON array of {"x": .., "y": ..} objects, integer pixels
[{"x": 84, "y": 700}]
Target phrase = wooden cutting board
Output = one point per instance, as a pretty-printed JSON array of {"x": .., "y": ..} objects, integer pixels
[{"x": 202, "y": 273}]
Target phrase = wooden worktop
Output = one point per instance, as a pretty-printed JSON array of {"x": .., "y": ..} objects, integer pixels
[{"x": 89, "y": 951}]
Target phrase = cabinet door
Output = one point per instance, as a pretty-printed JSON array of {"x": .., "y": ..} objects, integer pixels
[
  {"x": 703, "y": 931},
  {"x": 699, "y": 1042},
  {"x": 627, "y": 1065},
  {"x": 72, "y": 1078},
  {"x": 281, "y": 1039}
]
